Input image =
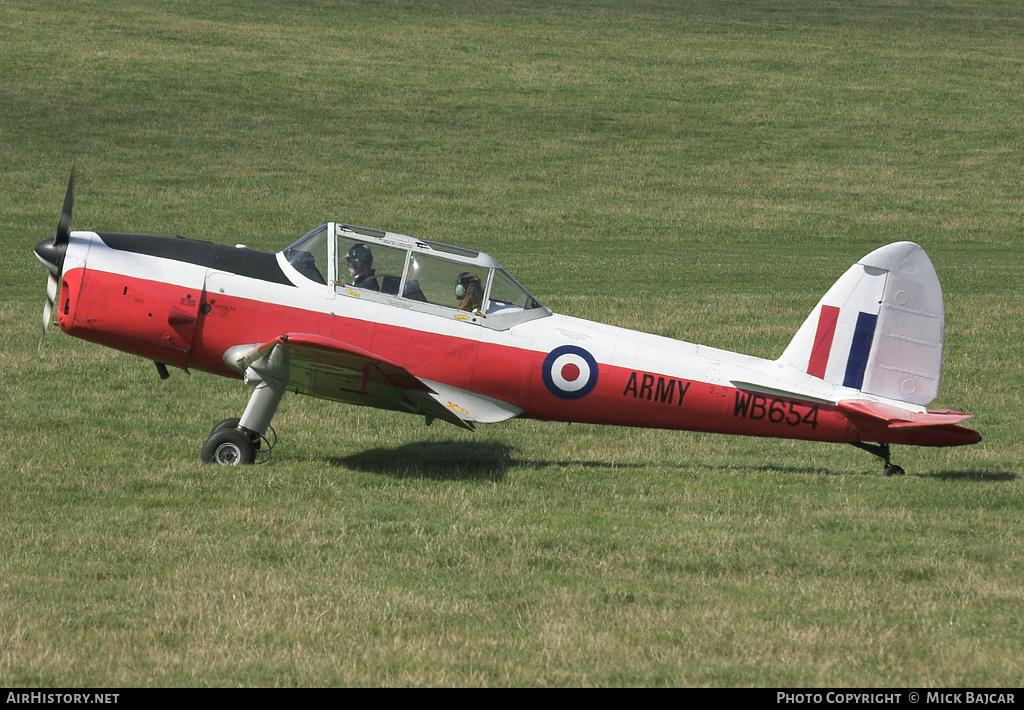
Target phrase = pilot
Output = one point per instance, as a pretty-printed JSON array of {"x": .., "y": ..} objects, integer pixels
[
  {"x": 360, "y": 265},
  {"x": 470, "y": 291}
]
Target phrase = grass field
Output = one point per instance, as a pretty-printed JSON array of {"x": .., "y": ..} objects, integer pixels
[{"x": 702, "y": 170}]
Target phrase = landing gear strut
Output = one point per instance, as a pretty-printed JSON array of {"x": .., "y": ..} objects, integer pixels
[
  {"x": 883, "y": 452},
  {"x": 234, "y": 442}
]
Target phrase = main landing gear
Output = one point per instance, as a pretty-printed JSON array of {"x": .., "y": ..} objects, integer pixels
[
  {"x": 883, "y": 452},
  {"x": 234, "y": 442},
  {"x": 228, "y": 445}
]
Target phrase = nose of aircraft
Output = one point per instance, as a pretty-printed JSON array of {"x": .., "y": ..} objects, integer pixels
[{"x": 51, "y": 254}]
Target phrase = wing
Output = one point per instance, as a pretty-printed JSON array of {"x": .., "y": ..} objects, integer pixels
[{"x": 331, "y": 369}]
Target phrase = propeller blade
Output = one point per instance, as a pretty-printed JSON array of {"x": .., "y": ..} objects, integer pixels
[
  {"x": 51, "y": 253},
  {"x": 51, "y": 297},
  {"x": 64, "y": 224}
]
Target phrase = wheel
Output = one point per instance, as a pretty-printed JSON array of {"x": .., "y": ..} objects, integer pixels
[
  {"x": 225, "y": 424},
  {"x": 892, "y": 469},
  {"x": 228, "y": 447},
  {"x": 232, "y": 423}
]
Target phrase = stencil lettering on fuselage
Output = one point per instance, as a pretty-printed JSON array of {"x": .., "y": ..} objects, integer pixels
[{"x": 656, "y": 388}]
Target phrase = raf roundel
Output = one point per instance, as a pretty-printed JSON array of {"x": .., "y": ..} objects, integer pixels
[{"x": 570, "y": 372}]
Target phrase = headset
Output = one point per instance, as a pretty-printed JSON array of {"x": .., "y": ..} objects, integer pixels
[
  {"x": 358, "y": 256},
  {"x": 462, "y": 285}
]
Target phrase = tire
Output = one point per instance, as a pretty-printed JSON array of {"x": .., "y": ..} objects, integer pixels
[
  {"x": 228, "y": 447},
  {"x": 232, "y": 423},
  {"x": 225, "y": 424}
]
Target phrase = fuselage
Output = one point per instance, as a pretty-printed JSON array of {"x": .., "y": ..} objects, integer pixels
[{"x": 186, "y": 303}]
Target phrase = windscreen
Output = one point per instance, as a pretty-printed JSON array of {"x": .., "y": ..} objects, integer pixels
[
  {"x": 309, "y": 255},
  {"x": 506, "y": 294}
]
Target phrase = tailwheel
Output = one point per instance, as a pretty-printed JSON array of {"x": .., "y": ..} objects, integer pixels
[
  {"x": 883, "y": 452},
  {"x": 892, "y": 469}
]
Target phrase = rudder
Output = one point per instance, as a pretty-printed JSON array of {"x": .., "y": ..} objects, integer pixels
[{"x": 879, "y": 329}]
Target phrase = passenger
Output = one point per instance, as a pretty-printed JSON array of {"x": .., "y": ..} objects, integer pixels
[
  {"x": 469, "y": 289},
  {"x": 360, "y": 265}
]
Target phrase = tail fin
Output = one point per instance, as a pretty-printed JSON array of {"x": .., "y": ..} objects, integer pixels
[{"x": 880, "y": 329}]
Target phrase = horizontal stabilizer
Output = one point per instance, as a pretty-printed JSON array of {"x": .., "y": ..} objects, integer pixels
[{"x": 897, "y": 418}]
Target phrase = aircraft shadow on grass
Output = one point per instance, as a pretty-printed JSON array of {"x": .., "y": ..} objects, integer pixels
[
  {"x": 489, "y": 461},
  {"x": 979, "y": 476},
  {"x": 453, "y": 461}
]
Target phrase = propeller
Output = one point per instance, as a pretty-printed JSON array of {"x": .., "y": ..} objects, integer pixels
[
  {"x": 51, "y": 296},
  {"x": 52, "y": 251},
  {"x": 64, "y": 223}
]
